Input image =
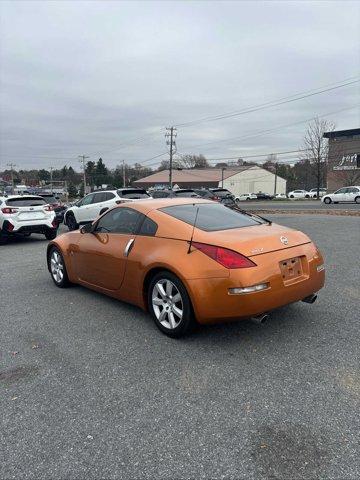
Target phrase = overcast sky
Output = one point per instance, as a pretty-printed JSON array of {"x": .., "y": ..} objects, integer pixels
[{"x": 92, "y": 77}]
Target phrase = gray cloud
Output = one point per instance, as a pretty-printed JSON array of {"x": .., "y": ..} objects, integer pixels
[{"x": 88, "y": 77}]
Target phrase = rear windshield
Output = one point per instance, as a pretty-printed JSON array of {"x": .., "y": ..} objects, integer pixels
[
  {"x": 49, "y": 199},
  {"x": 185, "y": 193},
  {"x": 222, "y": 193},
  {"x": 211, "y": 217},
  {"x": 133, "y": 194},
  {"x": 25, "y": 202}
]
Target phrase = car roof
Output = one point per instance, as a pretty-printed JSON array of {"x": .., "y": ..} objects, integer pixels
[
  {"x": 27, "y": 195},
  {"x": 156, "y": 203}
]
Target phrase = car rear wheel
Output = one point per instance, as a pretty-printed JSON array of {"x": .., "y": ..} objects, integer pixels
[
  {"x": 327, "y": 200},
  {"x": 357, "y": 200},
  {"x": 291, "y": 196},
  {"x": 71, "y": 222},
  {"x": 170, "y": 305},
  {"x": 57, "y": 268}
]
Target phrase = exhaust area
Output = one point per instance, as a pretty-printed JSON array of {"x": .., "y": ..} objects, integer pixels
[
  {"x": 310, "y": 299},
  {"x": 260, "y": 319}
]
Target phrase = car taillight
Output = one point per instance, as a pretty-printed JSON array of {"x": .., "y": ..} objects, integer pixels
[
  {"x": 49, "y": 208},
  {"x": 9, "y": 210},
  {"x": 227, "y": 258}
]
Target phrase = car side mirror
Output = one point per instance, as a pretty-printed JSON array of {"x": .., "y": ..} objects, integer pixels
[{"x": 87, "y": 228}]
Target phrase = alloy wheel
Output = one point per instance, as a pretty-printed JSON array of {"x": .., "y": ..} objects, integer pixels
[
  {"x": 167, "y": 304},
  {"x": 57, "y": 266}
]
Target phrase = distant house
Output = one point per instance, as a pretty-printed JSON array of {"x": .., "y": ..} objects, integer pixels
[{"x": 244, "y": 179}]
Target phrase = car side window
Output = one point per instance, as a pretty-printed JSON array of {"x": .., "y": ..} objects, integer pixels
[
  {"x": 87, "y": 200},
  {"x": 119, "y": 220},
  {"x": 98, "y": 197},
  {"x": 108, "y": 196},
  {"x": 148, "y": 228},
  {"x": 341, "y": 190}
]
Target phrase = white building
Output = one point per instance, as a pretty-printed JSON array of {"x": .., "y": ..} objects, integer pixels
[{"x": 244, "y": 179}]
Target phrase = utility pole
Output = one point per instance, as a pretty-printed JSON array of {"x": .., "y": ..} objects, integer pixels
[
  {"x": 82, "y": 160},
  {"x": 124, "y": 176},
  {"x": 12, "y": 165},
  {"x": 51, "y": 179},
  {"x": 222, "y": 176},
  {"x": 170, "y": 136},
  {"x": 275, "y": 181}
]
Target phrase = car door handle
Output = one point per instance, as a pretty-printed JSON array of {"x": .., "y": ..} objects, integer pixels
[{"x": 128, "y": 247}]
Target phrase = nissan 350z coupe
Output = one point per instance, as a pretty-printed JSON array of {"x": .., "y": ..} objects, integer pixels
[{"x": 189, "y": 260}]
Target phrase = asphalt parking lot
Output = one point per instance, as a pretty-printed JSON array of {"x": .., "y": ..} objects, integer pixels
[
  {"x": 305, "y": 205},
  {"x": 91, "y": 389}
]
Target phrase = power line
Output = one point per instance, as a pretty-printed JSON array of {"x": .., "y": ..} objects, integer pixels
[{"x": 270, "y": 104}]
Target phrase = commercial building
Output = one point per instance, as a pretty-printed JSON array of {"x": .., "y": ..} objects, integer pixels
[
  {"x": 244, "y": 179},
  {"x": 344, "y": 158}
]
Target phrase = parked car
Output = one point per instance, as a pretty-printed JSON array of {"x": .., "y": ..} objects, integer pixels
[
  {"x": 96, "y": 203},
  {"x": 221, "y": 192},
  {"x": 58, "y": 206},
  {"x": 246, "y": 196},
  {"x": 345, "y": 194},
  {"x": 208, "y": 194},
  {"x": 298, "y": 194},
  {"x": 180, "y": 192},
  {"x": 24, "y": 215},
  {"x": 313, "y": 193},
  {"x": 189, "y": 260},
  {"x": 280, "y": 196},
  {"x": 264, "y": 196}
]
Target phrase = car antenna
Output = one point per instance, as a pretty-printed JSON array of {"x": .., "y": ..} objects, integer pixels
[{"x": 193, "y": 229}]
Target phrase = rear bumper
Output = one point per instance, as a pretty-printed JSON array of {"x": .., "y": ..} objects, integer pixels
[
  {"x": 9, "y": 228},
  {"x": 212, "y": 301}
]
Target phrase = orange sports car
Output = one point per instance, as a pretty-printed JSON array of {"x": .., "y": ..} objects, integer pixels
[{"x": 187, "y": 260}]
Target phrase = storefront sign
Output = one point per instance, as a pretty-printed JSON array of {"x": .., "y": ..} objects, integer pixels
[{"x": 349, "y": 162}]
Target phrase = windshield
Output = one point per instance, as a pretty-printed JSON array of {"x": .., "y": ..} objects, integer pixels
[
  {"x": 210, "y": 217},
  {"x": 185, "y": 193},
  {"x": 25, "y": 202},
  {"x": 135, "y": 194},
  {"x": 222, "y": 193}
]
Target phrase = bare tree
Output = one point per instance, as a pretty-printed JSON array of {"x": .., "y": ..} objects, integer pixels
[
  {"x": 194, "y": 161},
  {"x": 316, "y": 146}
]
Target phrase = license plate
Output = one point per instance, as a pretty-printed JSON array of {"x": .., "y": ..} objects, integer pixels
[
  {"x": 30, "y": 215},
  {"x": 291, "y": 268}
]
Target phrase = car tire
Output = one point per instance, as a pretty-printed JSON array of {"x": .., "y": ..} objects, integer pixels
[
  {"x": 3, "y": 238},
  {"x": 327, "y": 200},
  {"x": 103, "y": 210},
  {"x": 51, "y": 234},
  {"x": 291, "y": 196},
  {"x": 357, "y": 200},
  {"x": 57, "y": 268},
  {"x": 71, "y": 222},
  {"x": 175, "y": 318},
  {"x": 307, "y": 196}
]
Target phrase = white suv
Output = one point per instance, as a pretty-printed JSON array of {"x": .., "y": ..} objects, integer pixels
[
  {"x": 245, "y": 196},
  {"x": 96, "y": 203},
  {"x": 345, "y": 194},
  {"x": 24, "y": 215}
]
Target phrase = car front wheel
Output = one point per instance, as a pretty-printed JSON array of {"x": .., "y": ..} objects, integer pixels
[
  {"x": 170, "y": 305},
  {"x": 327, "y": 200},
  {"x": 57, "y": 268},
  {"x": 71, "y": 222},
  {"x": 357, "y": 200}
]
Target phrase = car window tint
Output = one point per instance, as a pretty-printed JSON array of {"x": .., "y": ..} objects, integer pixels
[
  {"x": 25, "y": 202},
  {"x": 134, "y": 194},
  {"x": 98, "y": 197},
  {"x": 87, "y": 200},
  {"x": 185, "y": 193},
  {"x": 211, "y": 217},
  {"x": 148, "y": 227},
  {"x": 108, "y": 196},
  {"x": 119, "y": 220}
]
